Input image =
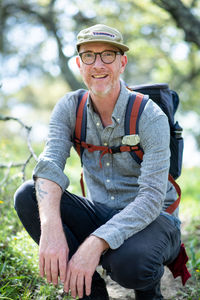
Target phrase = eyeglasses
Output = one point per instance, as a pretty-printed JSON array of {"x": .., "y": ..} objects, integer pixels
[{"x": 107, "y": 57}]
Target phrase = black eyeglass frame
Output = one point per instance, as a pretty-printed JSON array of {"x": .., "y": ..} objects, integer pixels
[{"x": 100, "y": 54}]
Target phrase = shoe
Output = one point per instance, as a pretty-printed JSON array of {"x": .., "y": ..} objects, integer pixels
[
  {"x": 153, "y": 294},
  {"x": 98, "y": 290}
]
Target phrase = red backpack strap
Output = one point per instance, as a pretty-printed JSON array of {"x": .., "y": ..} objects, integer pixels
[
  {"x": 135, "y": 107},
  {"x": 80, "y": 129},
  {"x": 175, "y": 204},
  {"x": 134, "y": 110},
  {"x": 81, "y": 121}
]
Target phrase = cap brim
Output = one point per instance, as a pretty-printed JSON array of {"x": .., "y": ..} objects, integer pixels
[{"x": 120, "y": 46}]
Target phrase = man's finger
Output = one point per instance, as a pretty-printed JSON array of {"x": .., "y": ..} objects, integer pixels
[
  {"x": 54, "y": 271},
  {"x": 67, "y": 281},
  {"x": 88, "y": 282},
  {"x": 41, "y": 265},
  {"x": 47, "y": 267},
  {"x": 72, "y": 284},
  {"x": 80, "y": 285},
  {"x": 63, "y": 268}
]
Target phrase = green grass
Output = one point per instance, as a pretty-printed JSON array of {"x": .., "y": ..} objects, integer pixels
[{"x": 19, "y": 277}]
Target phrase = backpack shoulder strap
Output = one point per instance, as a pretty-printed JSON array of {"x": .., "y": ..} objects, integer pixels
[
  {"x": 135, "y": 107},
  {"x": 170, "y": 209},
  {"x": 81, "y": 122}
]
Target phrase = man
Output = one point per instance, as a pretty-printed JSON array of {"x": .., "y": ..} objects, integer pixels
[{"x": 122, "y": 224}]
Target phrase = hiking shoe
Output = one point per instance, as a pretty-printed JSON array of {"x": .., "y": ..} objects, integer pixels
[
  {"x": 153, "y": 294},
  {"x": 98, "y": 290}
]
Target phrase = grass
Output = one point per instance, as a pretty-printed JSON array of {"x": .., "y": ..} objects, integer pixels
[{"x": 19, "y": 277}]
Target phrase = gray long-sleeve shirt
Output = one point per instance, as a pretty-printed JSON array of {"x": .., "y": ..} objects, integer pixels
[{"x": 137, "y": 192}]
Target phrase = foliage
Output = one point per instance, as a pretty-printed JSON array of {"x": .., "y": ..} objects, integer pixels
[
  {"x": 37, "y": 46},
  {"x": 37, "y": 42},
  {"x": 19, "y": 254}
]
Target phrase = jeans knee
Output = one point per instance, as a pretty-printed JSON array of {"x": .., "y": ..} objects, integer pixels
[
  {"x": 135, "y": 271},
  {"x": 23, "y": 195}
]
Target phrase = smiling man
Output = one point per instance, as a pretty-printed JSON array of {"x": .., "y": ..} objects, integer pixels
[{"x": 121, "y": 224}]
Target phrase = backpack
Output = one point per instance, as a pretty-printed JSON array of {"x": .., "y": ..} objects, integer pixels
[{"x": 167, "y": 100}]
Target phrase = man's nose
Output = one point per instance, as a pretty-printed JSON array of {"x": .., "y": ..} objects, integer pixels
[{"x": 98, "y": 61}]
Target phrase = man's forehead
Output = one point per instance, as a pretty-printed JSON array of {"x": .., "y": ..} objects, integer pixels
[{"x": 97, "y": 46}]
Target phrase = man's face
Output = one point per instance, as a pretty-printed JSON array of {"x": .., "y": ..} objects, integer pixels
[{"x": 100, "y": 78}]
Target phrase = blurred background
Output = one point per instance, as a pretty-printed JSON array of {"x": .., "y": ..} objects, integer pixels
[{"x": 37, "y": 67}]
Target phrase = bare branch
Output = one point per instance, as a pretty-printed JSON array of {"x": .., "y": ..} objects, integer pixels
[
  {"x": 21, "y": 164},
  {"x": 8, "y": 118},
  {"x": 46, "y": 18},
  {"x": 24, "y": 166},
  {"x": 6, "y": 175},
  {"x": 11, "y": 165}
]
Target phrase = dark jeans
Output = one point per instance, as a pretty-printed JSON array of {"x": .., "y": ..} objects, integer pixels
[{"x": 137, "y": 264}]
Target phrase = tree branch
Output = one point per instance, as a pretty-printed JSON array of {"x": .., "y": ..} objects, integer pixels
[
  {"x": 183, "y": 17},
  {"x": 21, "y": 164},
  {"x": 47, "y": 20}
]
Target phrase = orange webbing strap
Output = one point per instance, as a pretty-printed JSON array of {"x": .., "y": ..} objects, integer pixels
[
  {"x": 174, "y": 205},
  {"x": 105, "y": 149},
  {"x": 79, "y": 119}
]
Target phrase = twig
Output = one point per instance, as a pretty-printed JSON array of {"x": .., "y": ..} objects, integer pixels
[
  {"x": 20, "y": 164},
  {"x": 8, "y": 118},
  {"x": 24, "y": 166},
  {"x": 7, "y": 174}
]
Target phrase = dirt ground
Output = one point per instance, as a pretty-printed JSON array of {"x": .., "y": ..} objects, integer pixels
[{"x": 170, "y": 288}]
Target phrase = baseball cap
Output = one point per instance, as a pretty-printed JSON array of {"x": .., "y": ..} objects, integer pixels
[{"x": 101, "y": 33}]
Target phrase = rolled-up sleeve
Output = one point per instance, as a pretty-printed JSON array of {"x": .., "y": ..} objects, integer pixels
[{"x": 52, "y": 160}]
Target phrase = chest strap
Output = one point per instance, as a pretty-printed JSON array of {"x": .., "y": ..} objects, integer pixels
[{"x": 105, "y": 149}]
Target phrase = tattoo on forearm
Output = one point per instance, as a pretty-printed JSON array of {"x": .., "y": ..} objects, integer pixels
[{"x": 40, "y": 192}]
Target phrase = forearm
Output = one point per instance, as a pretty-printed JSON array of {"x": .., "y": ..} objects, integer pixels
[
  {"x": 53, "y": 248},
  {"x": 48, "y": 195}
]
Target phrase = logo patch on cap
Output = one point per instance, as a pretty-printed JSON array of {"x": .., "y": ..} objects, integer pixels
[{"x": 103, "y": 33}]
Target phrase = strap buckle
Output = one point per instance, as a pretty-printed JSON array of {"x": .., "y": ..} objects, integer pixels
[{"x": 115, "y": 149}]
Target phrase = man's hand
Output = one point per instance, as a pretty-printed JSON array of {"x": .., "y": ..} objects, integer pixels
[
  {"x": 53, "y": 248},
  {"x": 53, "y": 256},
  {"x": 82, "y": 266}
]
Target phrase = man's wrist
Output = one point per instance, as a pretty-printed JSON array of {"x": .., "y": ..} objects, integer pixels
[
  {"x": 51, "y": 224},
  {"x": 101, "y": 243}
]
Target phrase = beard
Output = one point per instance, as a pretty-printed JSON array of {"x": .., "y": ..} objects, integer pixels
[{"x": 100, "y": 93}]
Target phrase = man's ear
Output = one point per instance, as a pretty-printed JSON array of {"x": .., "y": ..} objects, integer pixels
[
  {"x": 124, "y": 61},
  {"x": 78, "y": 62}
]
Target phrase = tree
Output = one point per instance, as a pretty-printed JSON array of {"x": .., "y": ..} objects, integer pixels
[{"x": 164, "y": 46}]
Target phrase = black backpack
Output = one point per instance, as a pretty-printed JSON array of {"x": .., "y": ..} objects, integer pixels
[{"x": 167, "y": 100}]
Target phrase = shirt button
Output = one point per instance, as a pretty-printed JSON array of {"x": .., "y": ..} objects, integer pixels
[
  {"x": 107, "y": 164},
  {"x": 108, "y": 180},
  {"x": 112, "y": 197},
  {"x": 118, "y": 119},
  {"x": 105, "y": 144},
  {"x": 98, "y": 124}
]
